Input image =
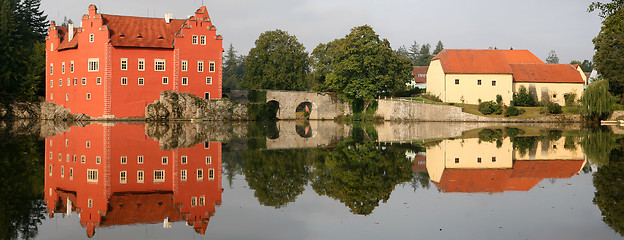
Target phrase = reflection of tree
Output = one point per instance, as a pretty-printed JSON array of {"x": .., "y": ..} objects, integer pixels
[
  {"x": 360, "y": 174},
  {"x": 609, "y": 196},
  {"x": 277, "y": 177},
  {"x": 420, "y": 180},
  {"x": 21, "y": 175},
  {"x": 597, "y": 145}
]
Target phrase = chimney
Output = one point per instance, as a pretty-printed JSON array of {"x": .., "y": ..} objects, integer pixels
[
  {"x": 168, "y": 17},
  {"x": 70, "y": 32}
]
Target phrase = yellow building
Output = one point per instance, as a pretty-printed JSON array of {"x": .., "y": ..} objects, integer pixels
[{"x": 467, "y": 76}]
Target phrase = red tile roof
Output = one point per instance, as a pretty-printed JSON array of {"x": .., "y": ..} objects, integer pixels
[
  {"x": 520, "y": 56},
  {"x": 472, "y": 61},
  {"x": 64, "y": 38},
  {"x": 420, "y": 70},
  {"x": 127, "y": 31},
  {"x": 125, "y": 209},
  {"x": 551, "y": 73}
]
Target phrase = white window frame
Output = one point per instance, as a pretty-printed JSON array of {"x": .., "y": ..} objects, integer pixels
[
  {"x": 83, "y": 159},
  {"x": 159, "y": 175},
  {"x": 90, "y": 203},
  {"x": 98, "y": 81},
  {"x": 183, "y": 159},
  {"x": 208, "y": 159},
  {"x": 124, "y": 64},
  {"x": 164, "y": 160},
  {"x": 51, "y": 83},
  {"x": 91, "y": 37},
  {"x": 141, "y": 81},
  {"x": 51, "y": 68},
  {"x": 140, "y": 176},
  {"x": 124, "y": 159},
  {"x": 71, "y": 66},
  {"x": 124, "y": 81},
  {"x": 202, "y": 200},
  {"x": 160, "y": 65},
  {"x": 88, "y": 96},
  {"x": 202, "y": 40},
  {"x": 88, "y": 144},
  {"x": 92, "y": 175},
  {"x": 51, "y": 47},
  {"x": 63, "y": 68},
  {"x": 208, "y": 80},
  {"x": 207, "y": 93},
  {"x": 211, "y": 174},
  {"x": 200, "y": 174},
  {"x": 194, "y": 39},
  {"x": 165, "y": 80},
  {"x": 50, "y": 172},
  {"x": 140, "y": 159},
  {"x": 206, "y": 145},
  {"x": 123, "y": 177},
  {"x": 63, "y": 171},
  {"x": 60, "y": 82},
  {"x": 98, "y": 159},
  {"x": 184, "y": 80},
  {"x": 183, "y": 175},
  {"x": 93, "y": 64},
  {"x": 75, "y": 81},
  {"x": 193, "y": 201},
  {"x": 200, "y": 65},
  {"x": 71, "y": 173},
  {"x": 83, "y": 81},
  {"x": 212, "y": 66},
  {"x": 67, "y": 97},
  {"x": 69, "y": 82},
  {"x": 184, "y": 65},
  {"x": 141, "y": 64}
]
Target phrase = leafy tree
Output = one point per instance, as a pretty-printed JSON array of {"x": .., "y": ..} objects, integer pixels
[
  {"x": 414, "y": 51},
  {"x": 439, "y": 48},
  {"x": 363, "y": 67},
  {"x": 278, "y": 61},
  {"x": 324, "y": 58},
  {"x": 575, "y": 62},
  {"x": 597, "y": 102},
  {"x": 402, "y": 52},
  {"x": 597, "y": 145},
  {"x": 424, "y": 55},
  {"x": 552, "y": 57},
  {"x": 233, "y": 69},
  {"x": 524, "y": 98},
  {"x": 587, "y": 65},
  {"x": 609, "y": 45}
]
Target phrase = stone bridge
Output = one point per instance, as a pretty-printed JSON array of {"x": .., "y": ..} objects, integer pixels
[{"x": 321, "y": 106}]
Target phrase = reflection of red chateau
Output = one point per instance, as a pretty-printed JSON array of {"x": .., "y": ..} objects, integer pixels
[
  {"x": 113, "y": 66},
  {"x": 522, "y": 177},
  {"x": 116, "y": 175}
]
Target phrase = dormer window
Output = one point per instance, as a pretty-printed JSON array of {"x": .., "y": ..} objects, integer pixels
[
  {"x": 139, "y": 36},
  {"x": 160, "y": 37},
  {"x": 91, "y": 37}
]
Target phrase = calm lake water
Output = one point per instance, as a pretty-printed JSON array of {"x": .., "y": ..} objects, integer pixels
[{"x": 318, "y": 180}]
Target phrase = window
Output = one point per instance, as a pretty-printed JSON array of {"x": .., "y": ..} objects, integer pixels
[
  {"x": 124, "y": 81},
  {"x": 456, "y": 160},
  {"x": 88, "y": 144},
  {"x": 200, "y": 174},
  {"x": 211, "y": 174},
  {"x": 66, "y": 143},
  {"x": 88, "y": 96},
  {"x": 141, "y": 64},
  {"x": 51, "y": 95},
  {"x": 183, "y": 159},
  {"x": 165, "y": 160},
  {"x": 60, "y": 157},
  {"x": 194, "y": 39},
  {"x": 60, "y": 82},
  {"x": 71, "y": 174},
  {"x": 51, "y": 68},
  {"x": 71, "y": 67},
  {"x": 62, "y": 171},
  {"x": 493, "y": 159},
  {"x": 202, "y": 40},
  {"x": 159, "y": 65},
  {"x": 184, "y": 81},
  {"x": 50, "y": 170},
  {"x": 555, "y": 95},
  {"x": 51, "y": 83},
  {"x": 66, "y": 96},
  {"x": 74, "y": 158},
  {"x": 83, "y": 159},
  {"x": 92, "y": 175},
  {"x": 207, "y": 95},
  {"x": 91, "y": 37},
  {"x": 202, "y": 200},
  {"x": 123, "y": 177},
  {"x": 75, "y": 81},
  {"x": 94, "y": 64},
  {"x": 140, "y": 159},
  {"x": 194, "y": 201},
  {"x": 141, "y": 81},
  {"x": 63, "y": 67},
  {"x": 209, "y": 80},
  {"x": 479, "y": 82},
  {"x": 479, "y": 160},
  {"x": 124, "y": 160},
  {"x": 184, "y": 65},
  {"x": 200, "y": 66},
  {"x": 159, "y": 175},
  {"x": 68, "y": 83},
  {"x": 165, "y": 80},
  {"x": 98, "y": 160},
  {"x": 208, "y": 160},
  {"x": 493, "y": 83},
  {"x": 140, "y": 176},
  {"x": 83, "y": 81},
  {"x": 456, "y": 81},
  {"x": 51, "y": 47},
  {"x": 50, "y": 155},
  {"x": 211, "y": 66},
  {"x": 206, "y": 145},
  {"x": 124, "y": 64},
  {"x": 183, "y": 175},
  {"x": 90, "y": 204}
]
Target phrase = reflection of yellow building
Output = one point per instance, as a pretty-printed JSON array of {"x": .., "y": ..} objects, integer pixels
[
  {"x": 468, "y": 75},
  {"x": 471, "y": 165}
]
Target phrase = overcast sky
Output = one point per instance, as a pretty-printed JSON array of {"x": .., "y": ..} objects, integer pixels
[{"x": 536, "y": 25}]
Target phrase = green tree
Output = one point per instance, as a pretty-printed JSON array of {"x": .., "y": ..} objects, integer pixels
[
  {"x": 402, "y": 52},
  {"x": 609, "y": 195},
  {"x": 552, "y": 57},
  {"x": 597, "y": 102},
  {"x": 575, "y": 62},
  {"x": 363, "y": 67},
  {"x": 424, "y": 55},
  {"x": 597, "y": 145},
  {"x": 609, "y": 45},
  {"x": 233, "y": 69},
  {"x": 587, "y": 65},
  {"x": 439, "y": 48},
  {"x": 324, "y": 58},
  {"x": 414, "y": 51},
  {"x": 278, "y": 61}
]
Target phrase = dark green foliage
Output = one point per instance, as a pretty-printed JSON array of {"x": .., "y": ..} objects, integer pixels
[
  {"x": 552, "y": 57},
  {"x": 524, "y": 98},
  {"x": 431, "y": 97},
  {"x": 257, "y": 96},
  {"x": 597, "y": 145},
  {"x": 553, "y": 108},
  {"x": 408, "y": 93},
  {"x": 609, "y": 195},
  {"x": 570, "y": 99},
  {"x": 570, "y": 143},
  {"x": 278, "y": 61},
  {"x": 233, "y": 69},
  {"x": 438, "y": 49},
  {"x": 490, "y": 135},
  {"x": 609, "y": 45},
  {"x": 513, "y": 111},
  {"x": 424, "y": 55},
  {"x": 597, "y": 102},
  {"x": 499, "y": 99},
  {"x": 490, "y": 107}
]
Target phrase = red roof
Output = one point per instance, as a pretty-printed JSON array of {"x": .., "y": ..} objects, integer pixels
[
  {"x": 125, "y": 209},
  {"x": 552, "y": 73},
  {"x": 520, "y": 56},
  {"x": 420, "y": 74},
  {"x": 127, "y": 31},
  {"x": 472, "y": 61},
  {"x": 64, "y": 38}
]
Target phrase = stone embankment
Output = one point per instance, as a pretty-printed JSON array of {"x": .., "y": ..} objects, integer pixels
[
  {"x": 398, "y": 110},
  {"x": 183, "y": 106}
]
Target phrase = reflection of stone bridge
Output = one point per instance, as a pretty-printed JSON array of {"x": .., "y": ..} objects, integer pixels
[
  {"x": 321, "y": 105},
  {"x": 316, "y": 134}
]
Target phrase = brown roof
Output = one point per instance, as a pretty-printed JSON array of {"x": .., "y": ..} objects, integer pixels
[
  {"x": 64, "y": 43},
  {"x": 128, "y": 31},
  {"x": 125, "y": 209},
  {"x": 470, "y": 61},
  {"x": 520, "y": 56},
  {"x": 420, "y": 70},
  {"x": 553, "y": 73}
]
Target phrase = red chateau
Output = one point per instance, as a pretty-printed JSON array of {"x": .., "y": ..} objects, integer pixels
[
  {"x": 116, "y": 175},
  {"x": 113, "y": 66}
]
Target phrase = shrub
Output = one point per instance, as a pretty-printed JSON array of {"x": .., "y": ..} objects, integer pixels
[
  {"x": 524, "y": 98},
  {"x": 490, "y": 107},
  {"x": 569, "y": 99},
  {"x": 553, "y": 108},
  {"x": 597, "y": 102},
  {"x": 499, "y": 99},
  {"x": 431, "y": 97},
  {"x": 512, "y": 111}
]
